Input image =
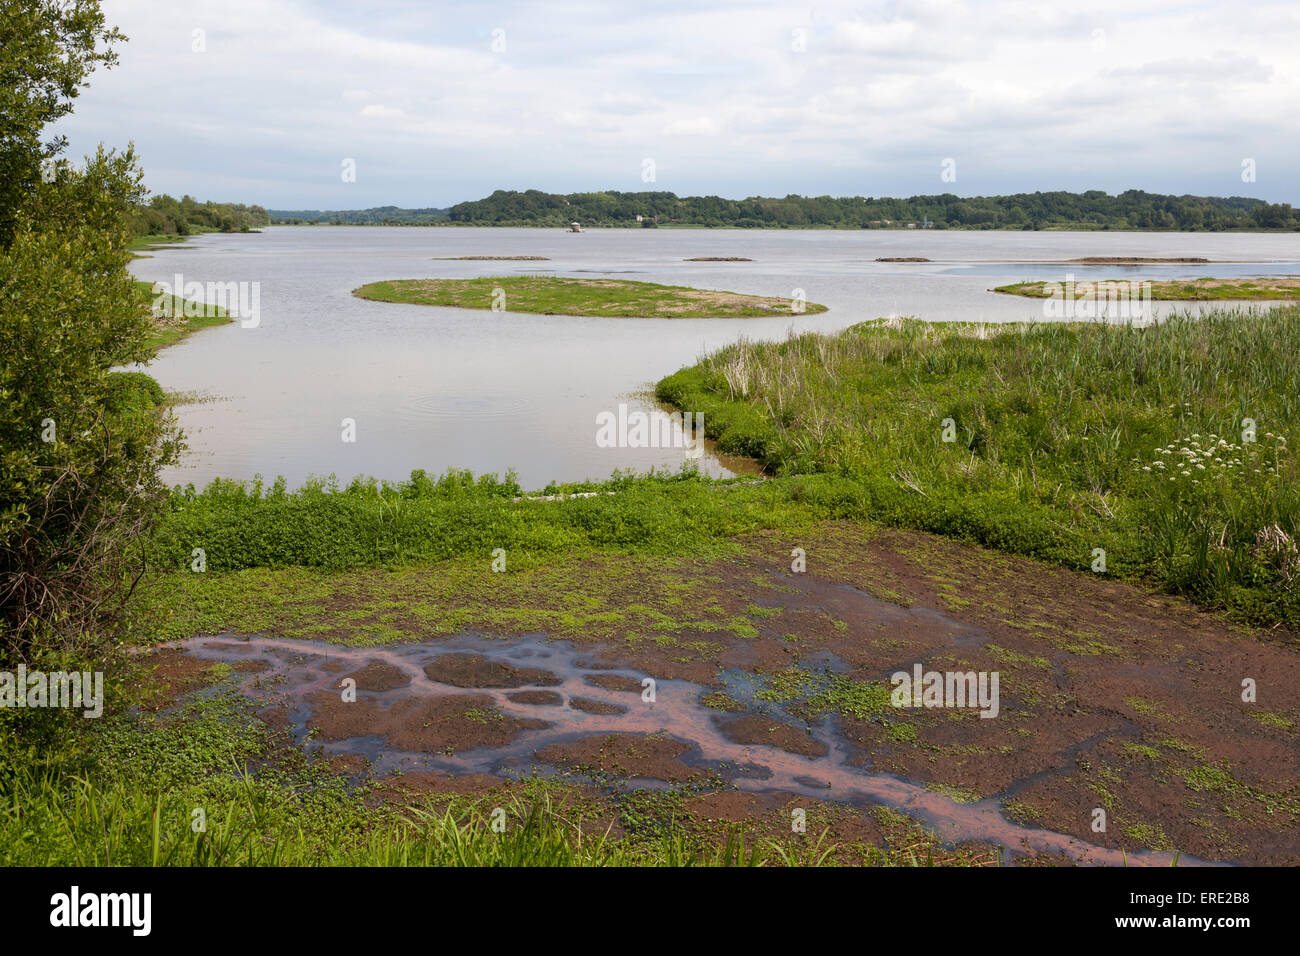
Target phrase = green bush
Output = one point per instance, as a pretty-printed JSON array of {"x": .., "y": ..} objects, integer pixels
[
  {"x": 128, "y": 392},
  {"x": 80, "y": 447}
]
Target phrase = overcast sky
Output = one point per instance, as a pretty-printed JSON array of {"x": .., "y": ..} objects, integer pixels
[{"x": 438, "y": 102}]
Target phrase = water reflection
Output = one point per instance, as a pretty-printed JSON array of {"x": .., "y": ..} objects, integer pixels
[{"x": 435, "y": 388}]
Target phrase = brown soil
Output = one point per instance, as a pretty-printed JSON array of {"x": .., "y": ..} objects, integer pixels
[
  {"x": 589, "y": 706},
  {"x": 1095, "y": 676},
  {"x": 471, "y": 670},
  {"x": 755, "y": 729},
  {"x": 1092, "y": 672},
  {"x": 615, "y": 682},
  {"x": 174, "y": 673},
  {"x": 536, "y": 698},
  {"x": 1111, "y": 697},
  {"x": 430, "y": 725},
  {"x": 348, "y": 764},
  {"x": 729, "y": 299},
  {"x": 378, "y": 676},
  {"x": 623, "y": 755}
]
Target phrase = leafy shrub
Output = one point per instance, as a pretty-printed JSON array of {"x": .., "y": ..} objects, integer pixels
[{"x": 80, "y": 447}]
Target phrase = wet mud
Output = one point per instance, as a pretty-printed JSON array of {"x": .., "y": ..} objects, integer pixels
[{"x": 476, "y": 706}]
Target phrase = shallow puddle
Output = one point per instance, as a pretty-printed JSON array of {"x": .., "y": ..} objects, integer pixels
[{"x": 520, "y": 697}]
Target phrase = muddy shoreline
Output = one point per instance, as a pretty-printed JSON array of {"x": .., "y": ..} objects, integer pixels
[{"x": 1112, "y": 699}]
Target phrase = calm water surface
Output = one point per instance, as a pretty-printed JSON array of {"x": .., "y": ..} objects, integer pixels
[{"x": 435, "y": 388}]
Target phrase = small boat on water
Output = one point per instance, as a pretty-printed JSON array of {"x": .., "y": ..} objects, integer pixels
[{"x": 574, "y": 227}]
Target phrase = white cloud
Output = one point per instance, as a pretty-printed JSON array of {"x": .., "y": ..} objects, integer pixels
[
  {"x": 691, "y": 126},
  {"x": 379, "y": 111},
  {"x": 895, "y": 37},
  {"x": 1112, "y": 94}
]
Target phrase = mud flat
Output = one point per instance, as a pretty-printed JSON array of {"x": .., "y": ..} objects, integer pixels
[
  {"x": 546, "y": 716},
  {"x": 1132, "y": 260},
  {"x": 774, "y": 696}
]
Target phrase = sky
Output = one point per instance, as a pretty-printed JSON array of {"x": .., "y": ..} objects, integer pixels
[{"x": 348, "y": 104}]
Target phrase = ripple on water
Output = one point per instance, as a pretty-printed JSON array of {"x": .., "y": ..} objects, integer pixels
[{"x": 442, "y": 407}]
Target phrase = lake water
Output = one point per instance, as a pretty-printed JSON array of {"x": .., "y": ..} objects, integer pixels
[{"x": 435, "y": 388}]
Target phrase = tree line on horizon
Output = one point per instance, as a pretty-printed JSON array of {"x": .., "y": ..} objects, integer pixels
[
  {"x": 1133, "y": 209},
  {"x": 378, "y": 216},
  {"x": 164, "y": 215}
]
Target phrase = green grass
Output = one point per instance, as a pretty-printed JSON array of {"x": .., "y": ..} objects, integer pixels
[
  {"x": 611, "y": 298},
  {"x": 815, "y": 694},
  {"x": 79, "y": 823},
  {"x": 249, "y": 533},
  {"x": 1064, "y": 439},
  {"x": 368, "y": 523},
  {"x": 179, "y": 318},
  {"x": 155, "y": 240},
  {"x": 206, "y": 785},
  {"x": 1173, "y": 290}
]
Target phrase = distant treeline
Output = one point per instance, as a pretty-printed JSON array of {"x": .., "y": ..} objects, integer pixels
[
  {"x": 1094, "y": 209},
  {"x": 167, "y": 216},
  {"x": 379, "y": 216}
]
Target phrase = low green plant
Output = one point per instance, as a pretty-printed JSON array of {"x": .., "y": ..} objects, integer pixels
[{"x": 1050, "y": 440}]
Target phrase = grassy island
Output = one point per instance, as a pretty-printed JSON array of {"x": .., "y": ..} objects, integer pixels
[
  {"x": 1273, "y": 287},
  {"x": 610, "y": 298}
]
